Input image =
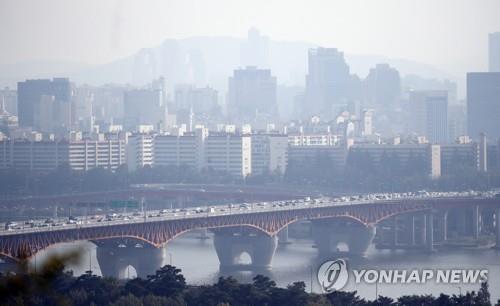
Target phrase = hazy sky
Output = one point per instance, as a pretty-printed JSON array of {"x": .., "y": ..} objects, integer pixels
[{"x": 449, "y": 34}]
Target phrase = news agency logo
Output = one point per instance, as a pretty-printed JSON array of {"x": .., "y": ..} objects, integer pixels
[{"x": 333, "y": 275}]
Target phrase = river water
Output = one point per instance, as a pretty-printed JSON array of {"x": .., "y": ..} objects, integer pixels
[{"x": 298, "y": 261}]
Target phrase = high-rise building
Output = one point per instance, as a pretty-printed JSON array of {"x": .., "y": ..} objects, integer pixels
[
  {"x": 406, "y": 154},
  {"x": 45, "y": 120},
  {"x": 48, "y": 155},
  {"x": 8, "y": 101},
  {"x": 255, "y": 50},
  {"x": 231, "y": 154},
  {"x": 382, "y": 87},
  {"x": 252, "y": 95},
  {"x": 139, "y": 151},
  {"x": 494, "y": 52},
  {"x": 181, "y": 150},
  {"x": 83, "y": 102},
  {"x": 327, "y": 81},
  {"x": 367, "y": 122},
  {"x": 30, "y": 95},
  {"x": 269, "y": 153},
  {"x": 457, "y": 121},
  {"x": 201, "y": 103},
  {"x": 483, "y": 104},
  {"x": 429, "y": 115},
  {"x": 144, "y": 107}
]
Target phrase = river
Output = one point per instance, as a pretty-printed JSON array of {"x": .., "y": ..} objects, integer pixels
[{"x": 298, "y": 261}]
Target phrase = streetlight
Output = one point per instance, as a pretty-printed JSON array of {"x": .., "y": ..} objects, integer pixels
[
  {"x": 170, "y": 257},
  {"x": 459, "y": 289}
]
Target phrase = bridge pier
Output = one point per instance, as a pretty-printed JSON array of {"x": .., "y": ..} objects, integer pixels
[
  {"x": 283, "y": 237},
  {"x": 8, "y": 265},
  {"x": 476, "y": 221},
  {"x": 230, "y": 243},
  {"x": 412, "y": 237},
  {"x": 115, "y": 255},
  {"x": 429, "y": 221},
  {"x": 330, "y": 235},
  {"x": 395, "y": 231},
  {"x": 497, "y": 228},
  {"x": 444, "y": 225}
]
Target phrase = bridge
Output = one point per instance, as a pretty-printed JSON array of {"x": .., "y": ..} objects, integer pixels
[
  {"x": 155, "y": 191},
  {"x": 254, "y": 228}
]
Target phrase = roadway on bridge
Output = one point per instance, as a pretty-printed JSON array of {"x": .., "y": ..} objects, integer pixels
[{"x": 45, "y": 225}]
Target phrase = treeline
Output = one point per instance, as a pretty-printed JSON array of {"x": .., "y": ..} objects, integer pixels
[
  {"x": 66, "y": 180},
  {"x": 363, "y": 174},
  {"x": 168, "y": 286},
  {"x": 360, "y": 174}
]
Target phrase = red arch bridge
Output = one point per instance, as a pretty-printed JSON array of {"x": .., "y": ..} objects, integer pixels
[{"x": 409, "y": 221}]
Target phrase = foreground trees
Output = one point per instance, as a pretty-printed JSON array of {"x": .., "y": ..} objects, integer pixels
[{"x": 53, "y": 286}]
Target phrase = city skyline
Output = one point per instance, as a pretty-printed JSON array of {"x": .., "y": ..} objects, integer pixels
[
  {"x": 250, "y": 146},
  {"x": 119, "y": 29}
]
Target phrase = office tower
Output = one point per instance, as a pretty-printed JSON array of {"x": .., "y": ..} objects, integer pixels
[
  {"x": 494, "y": 52},
  {"x": 252, "y": 95},
  {"x": 83, "y": 103},
  {"x": 255, "y": 50},
  {"x": 44, "y": 120},
  {"x": 30, "y": 94},
  {"x": 457, "y": 121},
  {"x": 202, "y": 103},
  {"x": 429, "y": 115},
  {"x": 483, "y": 104},
  {"x": 327, "y": 82},
  {"x": 367, "y": 122},
  {"x": 382, "y": 87},
  {"x": 8, "y": 101},
  {"x": 143, "y": 107}
]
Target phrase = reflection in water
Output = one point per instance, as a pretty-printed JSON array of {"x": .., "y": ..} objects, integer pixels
[{"x": 298, "y": 261}]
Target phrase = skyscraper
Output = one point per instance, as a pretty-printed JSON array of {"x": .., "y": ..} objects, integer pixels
[
  {"x": 255, "y": 51},
  {"x": 30, "y": 95},
  {"x": 429, "y": 115},
  {"x": 201, "y": 102},
  {"x": 494, "y": 52},
  {"x": 382, "y": 87},
  {"x": 143, "y": 107},
  {"x": 252, "y": 95},
  {"x": 327, "y": 81},
  {"x": 483, "y": 104}
]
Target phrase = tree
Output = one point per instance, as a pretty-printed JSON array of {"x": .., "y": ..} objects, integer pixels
[
  {"x": 483, "y": 295},
  {"x": 345, "y": 298},
  {"x": 128, "y": 300},
  {"x": 168, "y": 281}
]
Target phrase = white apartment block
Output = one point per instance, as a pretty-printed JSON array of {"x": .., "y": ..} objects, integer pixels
[
  {"x": 139, "y": 151},
  {"x": 405, "y": 152},
  {"x": 48, "y": 155},
  {"x": 313, "y": 139},
  {"x": 222, "y": 152},
  {"x": 89, "y": 154},
  {"x": 229, "y": 153},
  {"x": 302, "y": 153},
  {"x": 177, "y": 150},
  {"x": 269, "y": 153}
]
